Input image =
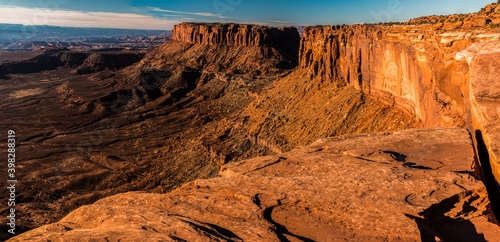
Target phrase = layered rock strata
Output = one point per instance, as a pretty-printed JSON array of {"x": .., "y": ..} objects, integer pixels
[
  {"x": 228, "y": 48},
  {"x": 234, "y": 34},
  {"x": 444, "y": 78}
]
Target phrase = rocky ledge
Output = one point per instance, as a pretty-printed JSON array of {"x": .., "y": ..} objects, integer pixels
[{"x": 408, "y": 185}]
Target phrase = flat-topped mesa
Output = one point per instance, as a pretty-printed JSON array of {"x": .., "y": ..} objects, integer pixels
[
  {"x": 227, "y": 48},
  {"x": 234, "y": 34}
]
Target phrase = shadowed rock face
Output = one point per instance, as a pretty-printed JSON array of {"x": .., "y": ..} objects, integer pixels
[
  {"x": 284, "y": 40},
  {"x": 84, "y": 61},
  {"x": 357, "y": 188}
]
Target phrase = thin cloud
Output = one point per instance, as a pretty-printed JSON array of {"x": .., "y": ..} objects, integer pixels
[
  {"x": 270, "y": 23},
  {"x": 279, "y": 22},
  {"x": 68, "y": 18},
  {"x": 154, "y": 9}
]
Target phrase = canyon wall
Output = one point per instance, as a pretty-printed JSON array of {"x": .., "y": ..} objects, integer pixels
[
  {"x": 234, "y": 34},
  {"x": 230, "y": 48},
  {"x": 443, "y": 78},
  {"x": 401, "y": 184},
  {"x": 435, "y": 72}
]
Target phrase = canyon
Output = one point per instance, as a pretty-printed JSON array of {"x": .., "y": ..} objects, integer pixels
[
  {"x": 20, "y": 39},
  {"x": 234, "y": 132},
  {"x": 443, "y": 79}
]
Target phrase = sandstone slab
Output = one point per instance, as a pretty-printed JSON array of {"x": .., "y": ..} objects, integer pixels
[{"x": 401, "y": 186}]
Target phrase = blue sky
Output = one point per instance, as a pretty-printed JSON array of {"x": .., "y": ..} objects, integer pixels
[{"x": 163, "y": 14}]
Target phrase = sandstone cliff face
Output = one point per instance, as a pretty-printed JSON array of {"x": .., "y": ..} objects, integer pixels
[
  {"x": 412, "y": 70},
  {"x": 484, "y": 106},
  {"x": 402, "y": 186},
  {"x": 229, "y": 48},
  {"x": 442, "y": 78},
  {"x": 234, "y": 34}
]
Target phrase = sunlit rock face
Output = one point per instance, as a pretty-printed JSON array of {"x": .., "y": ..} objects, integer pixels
[
  {"x": 234, "y": 34},
  {"x": 387, "y": 186},
  {"x": 444, "y": 78}
]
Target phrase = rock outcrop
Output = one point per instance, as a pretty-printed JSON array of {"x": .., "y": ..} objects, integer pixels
[
  {"x": 99, "y": 61},
  {"x": 488, "y": 18},
  {"x": 233, "y": 48},
  {"x": 438, "y": 76},
  {"x": 85, "y": 61},
  {"x": 484, "y": 110},
  {"x": 401, "y": 186},
  {"x": 235, "y": 34}
]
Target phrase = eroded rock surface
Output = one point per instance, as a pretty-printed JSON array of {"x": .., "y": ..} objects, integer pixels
[
  {"x": 438, "y": 69},
  {"x": 238, "y": 47},
  {"x": 234, "y": 34},
  {"x": 401, "y": 186}
]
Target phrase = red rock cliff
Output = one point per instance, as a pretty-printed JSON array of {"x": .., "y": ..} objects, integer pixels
[
  {"x": 234, "y": 34},
  {"x": 390, "y": 62},
  {"x": 442, "y": 77},
  {"x": 231, "y": 48}
]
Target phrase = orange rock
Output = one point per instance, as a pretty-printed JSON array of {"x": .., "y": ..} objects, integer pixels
[
  {"x": 357, "y": 188},
  {"x": 444, "y": 78},
  {"x": 227, "y": 48},
  {"x": 484, "y": 107},
  {"x": 234, "y": 34}
]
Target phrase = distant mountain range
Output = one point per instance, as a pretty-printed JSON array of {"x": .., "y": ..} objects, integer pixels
[{"x": 22, "y": 37}]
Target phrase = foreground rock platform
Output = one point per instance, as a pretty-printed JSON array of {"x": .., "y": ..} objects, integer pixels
[{"x": 408, "y": 185}]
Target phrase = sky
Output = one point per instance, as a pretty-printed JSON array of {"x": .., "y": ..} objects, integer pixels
[{"x": 164, "y": 14}]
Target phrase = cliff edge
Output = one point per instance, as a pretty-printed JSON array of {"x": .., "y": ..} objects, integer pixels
[
  {"x": 229, "y": 48},
  {"x": 394, "y": 186},
  {"x": 443, "y": 77}
]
